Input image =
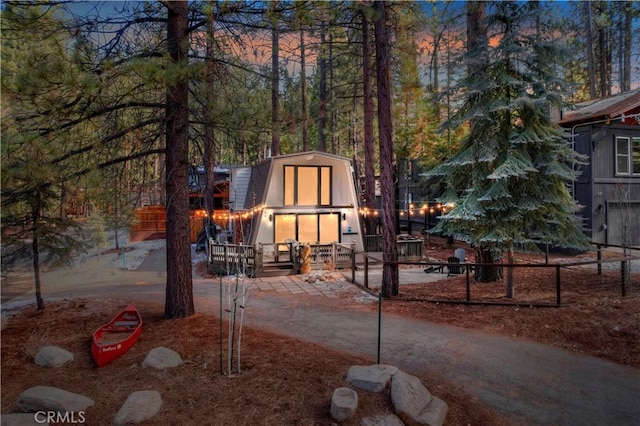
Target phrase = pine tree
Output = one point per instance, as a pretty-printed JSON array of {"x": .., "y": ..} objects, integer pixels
[
  {"x": 508, "y": 182},
  {"x": 41, "y": 88}
]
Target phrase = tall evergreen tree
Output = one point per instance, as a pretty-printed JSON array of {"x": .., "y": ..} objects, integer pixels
[
  {"x": 179, "y": 288},
  {"x": 509, "y": 180},
  {"x": 41, "y": 87},
  {"x": 385, "y": 130}
]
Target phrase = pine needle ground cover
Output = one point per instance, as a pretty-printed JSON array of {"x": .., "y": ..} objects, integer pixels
[
  {"x": 594, "y": 318},
  {"x": 283, "y": 381}
]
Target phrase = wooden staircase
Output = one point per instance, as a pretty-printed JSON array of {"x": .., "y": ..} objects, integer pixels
[{"x": 276, "y": 269}]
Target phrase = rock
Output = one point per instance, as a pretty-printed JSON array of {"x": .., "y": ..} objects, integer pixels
[
  {"x": 413, "y": 402},
  {"x": 161, "y": 358},
  {"x": 53, "y": 356},
  {"x": 138, "y": 407},
  {"x": 372, "y": 378},
  {"x": 344, "y": 403},
  {"x": 3, "y": 321},
  {"x": 48, "y": 398},
  {"x": 382, "y": 420},
  {"x": 23, "y": 419}
]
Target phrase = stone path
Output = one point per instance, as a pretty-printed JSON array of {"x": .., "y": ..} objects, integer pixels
[{"x": 296, "y": 285}]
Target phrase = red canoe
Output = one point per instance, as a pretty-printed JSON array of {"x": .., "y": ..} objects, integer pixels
[{"x": 117, "y": 336}]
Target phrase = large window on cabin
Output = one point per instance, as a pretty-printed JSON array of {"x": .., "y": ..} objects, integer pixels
[
  {"x": 307, "y": 185},
  {"x": 627, "y": 156},
  {"x": 322, "y": 228}
]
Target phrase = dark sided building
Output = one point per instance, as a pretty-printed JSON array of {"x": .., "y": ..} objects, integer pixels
[{"x": 607, "y": 132}]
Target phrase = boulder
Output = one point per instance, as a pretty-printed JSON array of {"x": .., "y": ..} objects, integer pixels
[
  {"x": 413, "y": 403},
  {"x": 344, "y": 403},
  {"x": 23, "y": 419},
  {"x": 382, "y": 420},
  {"x": 372, "y": 378},
  {"x": 139, "y": 406},
  {"x": 161, "y": 358},
  {"x": 48, "y": 398},
  {"x": 53, "y": 356}
]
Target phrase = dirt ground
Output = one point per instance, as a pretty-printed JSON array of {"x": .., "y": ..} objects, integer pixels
[
  {"x": 284, "y": 381},
  {"x": 593, "y": 319}
]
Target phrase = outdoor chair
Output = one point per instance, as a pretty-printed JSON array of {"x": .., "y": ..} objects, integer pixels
[
  {"x": 432, "y": 268},
  {"x": 453, "y": 266},
  {"x": 435, "y": 268}
]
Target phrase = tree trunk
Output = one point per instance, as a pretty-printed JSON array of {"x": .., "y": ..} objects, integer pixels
[
  {"x": 385, "y": 131},
  {"x": 369, "y": 151},
  {"x": 209, "y": 114},
  {"x": 591, "y": 61},
  {"x": 322, "y": 108},
  {"x": 331, "y": 101},
  {"x": 275, "y": 90},
  {"x": 626, "y": 78},
  {"x": 486, "y": 274},
  {"x": 35, "y": 217},
  {"x": 510, "y": 292},
  {"x": 476, "y": 31},
  {"x": 303, "y": 94},
  {"x": 604, "y": 56},
  {"x": 179, "y": 293}
]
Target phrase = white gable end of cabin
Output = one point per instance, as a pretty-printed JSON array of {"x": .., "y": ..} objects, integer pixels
[{"x": 288, "y": 215}]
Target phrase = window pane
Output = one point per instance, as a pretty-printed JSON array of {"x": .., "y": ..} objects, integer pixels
[
  {"x": 329, "y": 228},
  {"x": 622, "y": 156},
  {"x": 289, "y": 175},
  {"x": 308, "y": 228},
  {"x": 285, "y": 227},
  {"x": 325, "y": 186},
  {"x": 636, "y": 156},
  {"x": 307, "y": 186},
  {"x": 622, "y": 147}
]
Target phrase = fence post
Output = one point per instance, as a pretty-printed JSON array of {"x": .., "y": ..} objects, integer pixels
[
  {"x": 226, "y": 259},
  {"x": 468, "y": 285},
  {"x": 353, "y": 266},
  {"x": 599, "y": 257},
  {"x": 558, "y": 288},
  {"x": 366, "y": 271}
]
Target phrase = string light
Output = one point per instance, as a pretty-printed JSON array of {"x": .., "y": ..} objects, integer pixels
[{"x": 427, "y": 207}]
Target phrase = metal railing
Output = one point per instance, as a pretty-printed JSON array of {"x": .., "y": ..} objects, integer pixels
[{"x": 619, "y": 279}]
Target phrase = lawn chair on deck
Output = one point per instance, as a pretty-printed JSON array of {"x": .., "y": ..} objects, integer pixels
[{"x": 453, "y": 266}]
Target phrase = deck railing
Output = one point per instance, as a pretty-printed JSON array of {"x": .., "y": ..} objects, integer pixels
[
  {"x": 252, "y": 261},
  {"x": 230, "y": 259},
  {"x": 408, "y": 249}
]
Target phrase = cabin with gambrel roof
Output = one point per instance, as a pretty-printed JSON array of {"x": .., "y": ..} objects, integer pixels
[{"x": 309, "y": 197}]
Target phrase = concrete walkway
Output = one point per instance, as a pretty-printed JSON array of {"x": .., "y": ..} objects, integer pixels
[{"x": 529, "y": 383}]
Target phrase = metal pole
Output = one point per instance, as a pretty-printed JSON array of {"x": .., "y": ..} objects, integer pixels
[
  {"x": 379, "y": 324},
  {"x": 599, "y": 253},
  {"x": 623, "y": 273},
  {"x": 220, "y": 275}
]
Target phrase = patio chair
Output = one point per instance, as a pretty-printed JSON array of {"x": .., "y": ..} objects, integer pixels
[
  {"x": 432, "y": 268},
  {"x": 435, "y": 268},
  {"x": 453, "y": 266}
]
